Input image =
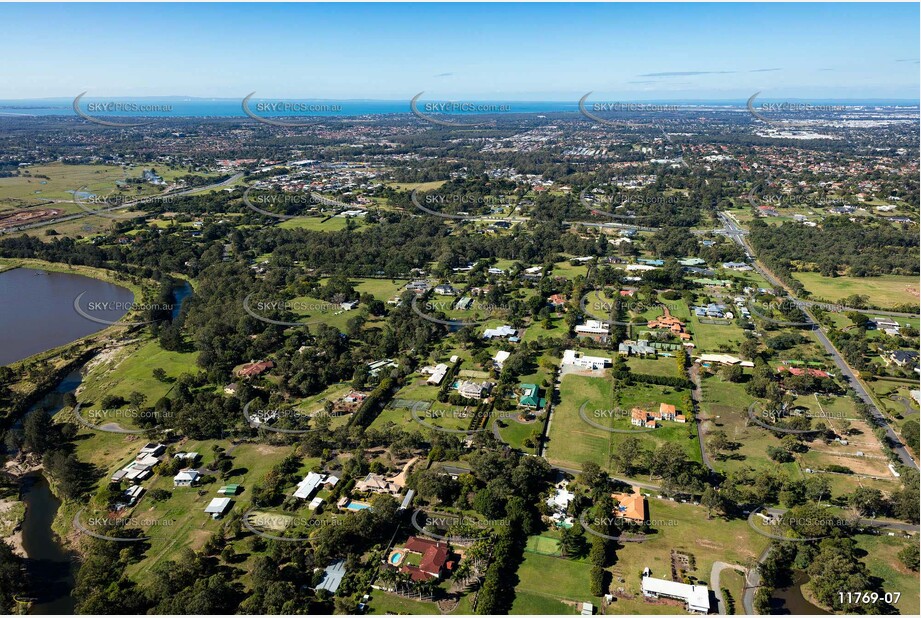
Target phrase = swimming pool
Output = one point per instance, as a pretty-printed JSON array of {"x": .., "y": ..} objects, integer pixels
[
  {"x": 357, "y": 506},
  {"x": 396, "y": 558}
]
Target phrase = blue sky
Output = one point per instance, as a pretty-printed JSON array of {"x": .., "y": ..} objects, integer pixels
[{"x": 473, "y": 51}]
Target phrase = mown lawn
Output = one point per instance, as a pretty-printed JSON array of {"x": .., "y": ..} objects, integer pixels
[
  {"x": 572, "y": 441},
  {"x": 514, "y": 433},
  {"x": 182, "y": 520},
  {"x": 386, "y": 603},
  {"x": 538, "y": 592},
  {"x": 663, "y": 366},
  {"x": 716, "y": 337}
]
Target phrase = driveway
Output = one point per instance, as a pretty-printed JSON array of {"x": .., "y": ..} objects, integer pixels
[{"x": 715, "y": 572}]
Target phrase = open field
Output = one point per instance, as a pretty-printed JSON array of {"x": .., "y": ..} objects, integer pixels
[
  {"x": 725, "y": 406},
  {"x": 130, "y": 369},
  {"x": 885, "y": 291},
  {"x": 563, "y": 593},
  {"x": 665, "y": 366},
  {"x": 535, "y": 330},
  {"x": 421, "y": 186},
  {"x": 315, "y": 403},
  {"x": 381, "y": 289},
  {"x": 566, "y": 269},
  {"x": 572, "y": 442},
  {"x": 315, "y": 224},
  {"x": 387, "y": 603},
  {"x": 314, "y": 310},
  {"x": 429, "y": 412},
  {"x": 514, "y": 433},
  {"x": 715, "y": 337},
  {"x": 29, "y": 189},
  {"x": 883, "y": 562}
]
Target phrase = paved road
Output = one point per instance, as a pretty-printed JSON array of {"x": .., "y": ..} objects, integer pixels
[
  {"x": 869, "y": 523},
  {"x": 80, "y": 215},
  {"x": 846, "y": 371}
]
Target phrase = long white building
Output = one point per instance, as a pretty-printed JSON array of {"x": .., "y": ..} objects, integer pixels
[{"x": 696, "y": 597}]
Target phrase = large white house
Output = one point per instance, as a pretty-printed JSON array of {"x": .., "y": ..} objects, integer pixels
[
  {"x": 593, "y": 328},
  {"x": 577, "y": 359}
]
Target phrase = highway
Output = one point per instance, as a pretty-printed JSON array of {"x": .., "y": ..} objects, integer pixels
[{"x": 738, "y": 235}]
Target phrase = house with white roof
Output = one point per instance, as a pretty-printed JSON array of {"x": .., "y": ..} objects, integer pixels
[
  {"x": 594, "y": 329},
  {"x": 310, "y": 483},
  {"x": 500, "y": 332},
  {"x": 696, "y": 597},
  {"x": 577, "y": 359},
  {"x": 186, "y": 478},
  {"x": 435, "y": 373}
]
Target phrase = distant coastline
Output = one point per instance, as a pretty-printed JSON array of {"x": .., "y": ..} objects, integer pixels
[{"x": 194, "y": 107}]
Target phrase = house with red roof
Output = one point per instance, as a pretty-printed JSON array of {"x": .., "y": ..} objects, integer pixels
[
  {"x": 434, "y": 562},
  {"x": 798, "y": 371},
  {"x": 252, "y": 370},
  {"x": 557, "y": 301}
]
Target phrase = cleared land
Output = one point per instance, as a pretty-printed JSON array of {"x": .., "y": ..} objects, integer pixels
[{"x": 885, "y": 291}]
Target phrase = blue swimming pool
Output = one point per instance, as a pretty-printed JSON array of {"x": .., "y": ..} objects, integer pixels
[
  {"x": 396, "y": 557},
  {"x": 357, "y": 506}
]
